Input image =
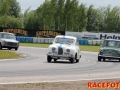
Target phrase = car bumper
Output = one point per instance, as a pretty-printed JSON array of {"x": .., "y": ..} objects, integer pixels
[
  {"x": 109, "y": 57},
  {"x": 9, "y": 46},
  {"x": 60, "y": 56}
]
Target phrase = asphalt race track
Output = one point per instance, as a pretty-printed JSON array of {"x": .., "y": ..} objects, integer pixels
[{"x": 35, "y": 68}]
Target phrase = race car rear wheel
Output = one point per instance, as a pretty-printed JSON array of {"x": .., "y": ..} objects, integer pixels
[{"x": 49, "y": 59}]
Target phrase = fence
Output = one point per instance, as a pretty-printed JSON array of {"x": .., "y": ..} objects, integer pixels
[
  {"x": 34, "y": 40},
  {"x": 49, "y": 40}
]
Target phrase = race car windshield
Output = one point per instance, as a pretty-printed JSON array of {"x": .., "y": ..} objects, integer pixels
[
  {"x": 7, "y": 36},
  {"x": 64, "y": 40},
  {"x": 108, "y": 43}
]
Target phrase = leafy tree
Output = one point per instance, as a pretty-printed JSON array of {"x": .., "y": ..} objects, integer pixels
[
  {"x": 4, "y": 7},
  {"x": 92, "y": 23},
  {"x": 25, "y": 17},
  {"x": 45, "y": 15},
  {"x": 14, "y": 8},
  {"x": 11, "y": 22},
  {"x": 81, "y": 17},
  {"x": 9, "y": 7},
  {"x": 59, "y": 14},
  {"x": 66, "y": 15},
  {"x": 73, "y": 14},
  {"x": 112, "y": 17}
]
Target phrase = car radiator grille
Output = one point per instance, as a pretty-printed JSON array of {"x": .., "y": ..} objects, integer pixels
[
  {"x": 11, "y": 44},
  {"x": 60, "y": 51},
  {"x": 110, "y": 53}
]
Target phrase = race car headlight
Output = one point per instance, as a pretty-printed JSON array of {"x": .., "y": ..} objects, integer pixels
[
  {"x": 67, "y": 50},
  {"x": 3, "y": 42},
  {"x": 53, "y": 49},
  {"x": 101, "y": 51},
  {"x": 18, "y": 44}
]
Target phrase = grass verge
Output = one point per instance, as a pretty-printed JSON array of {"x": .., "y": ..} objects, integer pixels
[
  {"x": 82, "y": 47},
  {"x": 90, "y": 48},
  {"x": 8, "y": 55},
  {"x": 35, "y": 45}
]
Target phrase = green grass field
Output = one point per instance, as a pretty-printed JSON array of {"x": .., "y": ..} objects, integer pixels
[{"x": 9, "y": 55}]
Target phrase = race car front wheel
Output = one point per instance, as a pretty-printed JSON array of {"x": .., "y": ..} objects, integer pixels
[
  {"x": 55, "y": 60},
  {"x": 0, "y": 46},
  {"x": 49, "y": 58},
  {"x": 16, "y": 48},
  {"x": 99, "y": 58}
]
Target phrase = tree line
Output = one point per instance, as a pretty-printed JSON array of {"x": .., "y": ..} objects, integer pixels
[{"x": 63, "y": 15}]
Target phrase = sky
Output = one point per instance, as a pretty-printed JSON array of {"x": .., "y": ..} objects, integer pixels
[{"x": 34, "y": 4}]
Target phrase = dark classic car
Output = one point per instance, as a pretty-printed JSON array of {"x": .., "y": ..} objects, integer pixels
[
  {"x": 8, "y": 40},
  {"x": 110, "y": 50}
]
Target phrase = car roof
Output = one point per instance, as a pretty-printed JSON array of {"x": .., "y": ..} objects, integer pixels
[
  {"x": 64, "y": 36},
  {"x": 6, "y": 32}
]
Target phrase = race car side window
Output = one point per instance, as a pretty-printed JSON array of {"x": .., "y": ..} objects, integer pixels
[
  {"x": 1, "y": 35},
  {"x": 77, "y": 42}
]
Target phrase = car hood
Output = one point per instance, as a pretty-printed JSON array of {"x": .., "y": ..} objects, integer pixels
[
  {"x": 9, "y": 40},
  {"x": 62, "y": 45},
  {"x": 110, "y": 48}
]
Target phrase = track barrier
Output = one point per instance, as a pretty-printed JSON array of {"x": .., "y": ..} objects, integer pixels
[{"x": 50, "y": 40}]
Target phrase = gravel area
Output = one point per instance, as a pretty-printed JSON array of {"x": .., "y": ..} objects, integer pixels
[{"x": 108, "y": 84}]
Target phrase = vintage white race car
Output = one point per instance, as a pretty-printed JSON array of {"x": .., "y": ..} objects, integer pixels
[{"x": 65, "y": 48}]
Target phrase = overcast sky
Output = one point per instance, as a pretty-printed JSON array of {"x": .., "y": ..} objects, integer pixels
[{"x": 34, "y": 4}]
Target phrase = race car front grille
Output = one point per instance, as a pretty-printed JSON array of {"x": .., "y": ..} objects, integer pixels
[
  {"x": 60, "y": 51},
  {"x": 114, "y": 54},
  {"x": 11, "y": 44},
  {"x": 110, "y": 53}
]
